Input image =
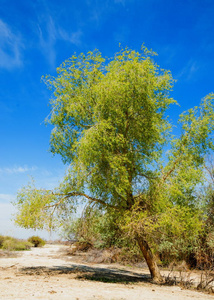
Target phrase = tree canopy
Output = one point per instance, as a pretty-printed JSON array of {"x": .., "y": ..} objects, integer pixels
[{"x": 111, "y": 127}]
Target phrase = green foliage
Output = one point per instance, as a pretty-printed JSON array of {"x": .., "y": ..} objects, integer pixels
[
  {"x": 110, "y": 231},
  {"x": 101, "y": 231},
  {"x": 12, "y": 244},
  {"x": 111, "y": 127},
  {"x": 2, "y": 238},
  {"x": 204, "y": 253},
  {"x": 173, "y": 234},
  {"x": 84, "y": 229},
  {"x": 95, "y": 227},
  {"x": 36, "y": 241},
  {"x": 119, "y": 108},
  {"x": 181, "y": 230},
  {"x": 23, "y": 246},
  {"x": 34, "y": 207}
]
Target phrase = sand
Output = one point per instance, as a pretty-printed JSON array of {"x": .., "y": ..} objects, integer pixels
[{"x": 47, "y": 273}]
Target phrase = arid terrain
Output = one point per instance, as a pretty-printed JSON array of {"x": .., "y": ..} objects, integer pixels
[{"x": 48, "y": 273}]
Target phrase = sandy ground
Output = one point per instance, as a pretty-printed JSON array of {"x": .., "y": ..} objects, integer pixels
[{"x": 47, "y": 273}]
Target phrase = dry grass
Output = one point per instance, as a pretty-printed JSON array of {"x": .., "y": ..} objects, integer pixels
[
  {"x": 87, "y": 253},
  {"x": 177, "y": 273},
  {"x": 180, "y": 274}
]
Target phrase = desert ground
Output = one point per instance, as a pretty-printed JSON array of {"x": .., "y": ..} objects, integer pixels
[{"x": 48, "y": 273}]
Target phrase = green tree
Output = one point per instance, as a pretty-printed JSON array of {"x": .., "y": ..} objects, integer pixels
[{"x": 111, "y": 127}]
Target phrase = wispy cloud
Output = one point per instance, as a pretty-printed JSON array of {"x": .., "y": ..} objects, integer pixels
[
  {"x": 47, "y": 37},
  {"x": 7, "y": 197},
  {"x": 50, "y": 33},
  {"x": 17, "y": 169},
  {"x": 10, "y": 47},
  {"x": 189, "y": 71},
  {"x": 72, "y": 37}
]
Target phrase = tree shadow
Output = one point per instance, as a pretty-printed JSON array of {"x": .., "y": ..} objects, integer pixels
[{"x": 84, "y": 272}]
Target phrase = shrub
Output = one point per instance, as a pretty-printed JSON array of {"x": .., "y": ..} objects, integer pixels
[
  {"x": 23, "y": 245},
  {"x": 102, "y": 232},
  {"x": 8, "y": 244},
  {"x": 2, "y": 238},
  {"x": 12, "y": 244},
  {"x": 36, "y": 241}
]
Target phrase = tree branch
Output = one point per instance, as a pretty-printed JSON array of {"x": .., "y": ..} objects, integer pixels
[
  {"x": 147, "y": 176},
  {"x": 172, "y": 169},
  {"x": 75, "y": 194}
]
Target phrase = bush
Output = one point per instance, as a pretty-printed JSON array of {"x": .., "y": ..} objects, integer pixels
[
  {"x": 102, "y": 233},
  {"x": 36, "y": 241},
  {"x": 8, "y": 244},
  {"x": 23, "y": 245},
  {"x": 12, "y": 244},
  {"x": 2, "y": 238}
]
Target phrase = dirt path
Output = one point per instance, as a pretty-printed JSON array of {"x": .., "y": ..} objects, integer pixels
[{"x": 46, "y": 273}]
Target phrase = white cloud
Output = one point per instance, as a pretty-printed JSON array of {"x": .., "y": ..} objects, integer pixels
[
  {"x": 47, "y": 41},
  {"x": 7, "y": 197},
  {"x": 49, "y": 33},
  {"x": 189, "y": 71},
  {"x": 17, "y": 169},
  {"x": 73, "y": 37},
  {"x": 10, "y": 47}
]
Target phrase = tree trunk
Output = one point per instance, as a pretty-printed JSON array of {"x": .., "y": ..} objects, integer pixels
[{"x": 150, "y": 260}]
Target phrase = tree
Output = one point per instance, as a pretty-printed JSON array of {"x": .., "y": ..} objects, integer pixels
[{"x": 111, "y": 127}]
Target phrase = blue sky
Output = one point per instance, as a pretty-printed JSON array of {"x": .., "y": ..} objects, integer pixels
[{"x": 36, "y": 36}]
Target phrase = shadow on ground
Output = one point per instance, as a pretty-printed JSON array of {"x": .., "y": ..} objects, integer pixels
[{"x": 88, "y": 273}]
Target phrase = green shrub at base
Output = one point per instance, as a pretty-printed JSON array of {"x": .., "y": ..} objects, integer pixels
[
  {"x": 12, "y": 244},
  {"x": 2, "y": 238},
  {"x": 36, "y": 241}
]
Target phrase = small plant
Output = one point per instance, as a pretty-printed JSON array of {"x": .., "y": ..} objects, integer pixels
[
  {"x": 23, "y": 245},
  {"x": 206, "y": 281},
  {"x": 36, "y": 241},
  {"x": 2, "y": 238},
  {"x": 11, "y": 244}
]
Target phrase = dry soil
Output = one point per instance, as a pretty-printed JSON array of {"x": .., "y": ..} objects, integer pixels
[{"x": 47, "y": 273}]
